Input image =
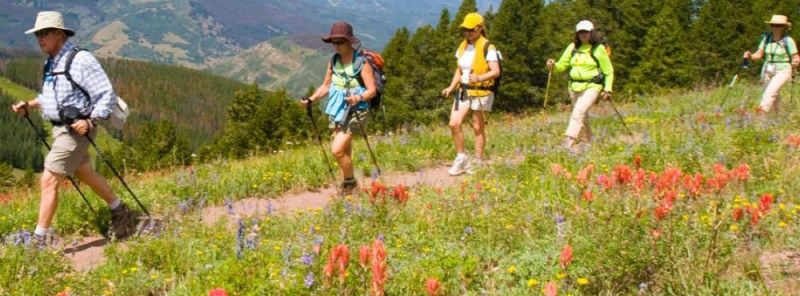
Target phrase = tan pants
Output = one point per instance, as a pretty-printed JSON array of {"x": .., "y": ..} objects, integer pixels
[
  {"x": 579, "y": 120},
  {"x": 773, "y": 82},
  {"x": 69, "y": 151}
]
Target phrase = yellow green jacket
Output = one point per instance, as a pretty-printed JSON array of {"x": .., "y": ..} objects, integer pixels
[{"x": 583, "y": 67}]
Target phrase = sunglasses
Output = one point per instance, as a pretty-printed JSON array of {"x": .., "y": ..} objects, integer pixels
[
  {"x": 43, "y": 32},
  {"x": 776, "y": 25},
  {"x": 338, "y": 42},
  {"x": 469, "y": 30}
]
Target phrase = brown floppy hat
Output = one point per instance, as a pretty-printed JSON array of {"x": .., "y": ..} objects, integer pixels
[{"x": 341, "y": 29}]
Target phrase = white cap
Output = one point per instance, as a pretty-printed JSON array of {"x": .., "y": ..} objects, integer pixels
[{"x": 584, "y": 25}]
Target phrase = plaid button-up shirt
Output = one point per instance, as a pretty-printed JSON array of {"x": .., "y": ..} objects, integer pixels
[{"x": 57, "y": 92}]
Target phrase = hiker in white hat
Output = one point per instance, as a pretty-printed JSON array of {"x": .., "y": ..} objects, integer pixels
[
  {"x": 779, "y": 52},
  {"x": 590, "y": 75},
  {"x": 74, "y": 102}
]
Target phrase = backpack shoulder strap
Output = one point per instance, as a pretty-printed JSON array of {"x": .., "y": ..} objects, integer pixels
[
  {"x": 591, "y": 53},
  {"x": 68, "y": 67}
]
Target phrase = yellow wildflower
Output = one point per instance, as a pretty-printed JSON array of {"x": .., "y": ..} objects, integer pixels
[
  {"x": 512, "y": 269},
  {"x": 583, "y": 281},
  {"x": 532, "y": 283}
]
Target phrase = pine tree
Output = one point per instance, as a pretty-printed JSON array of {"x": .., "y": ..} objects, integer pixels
[
  {"x": 666, "y": 57},
  {"x": 513, "y": 34}
]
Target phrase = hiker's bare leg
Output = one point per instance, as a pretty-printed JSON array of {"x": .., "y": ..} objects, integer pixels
[
  {"x": 99, "y": 185},
  {"x": 49, "y": 200},
  {"x": 479, "y": 126},
  {"x": 342, "y": 151},
  {"x": 456, "y": 119}
]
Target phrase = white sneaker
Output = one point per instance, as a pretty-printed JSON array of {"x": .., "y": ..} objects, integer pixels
[
  {"x": 459, "y": 165},
  {"x": 474, "y": 165}
]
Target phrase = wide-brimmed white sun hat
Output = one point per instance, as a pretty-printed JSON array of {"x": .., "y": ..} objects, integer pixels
[
  {"x": 50, "y": 20},
  {"x": 779, "y": 20}
]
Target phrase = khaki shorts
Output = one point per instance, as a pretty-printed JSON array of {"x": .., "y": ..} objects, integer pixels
[
  {"x": 479, "y": 103},
  {"x": 354, "y": 123},
  {"x": 69, "y": 151}
]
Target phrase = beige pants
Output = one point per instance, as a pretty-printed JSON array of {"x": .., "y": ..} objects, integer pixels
[
  {"x": 773, "y": 82},
  {"x": 579, "y": 120}
]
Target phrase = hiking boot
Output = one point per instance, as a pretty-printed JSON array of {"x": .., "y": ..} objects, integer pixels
[
  {"x": 123, "y": 221},
  {"x": 474, "y": 165},
  {"x": 348, "y": 186},
  {"x": 459, "y": 165},
  {"x": 39, "y": 241},
  {"x": 571, "y": 144}
]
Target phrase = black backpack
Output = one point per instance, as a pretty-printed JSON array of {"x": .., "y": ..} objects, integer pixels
[
  {"x": 375, "y": 61},
  {"x": 497, "y": 80},
  {"x": 783, "y": 43},
  {"x": 70, "y": 57}
]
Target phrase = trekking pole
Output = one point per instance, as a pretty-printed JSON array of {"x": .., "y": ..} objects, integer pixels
[
  {"x": 547, "y": 89},
  {"x": 108, "y": 162},
  {"x": 71, "y": 180},
  {"x": 369, "y": 147},
  {"x": 310, "y": 114},
  {"x": 744, "y": 65},
  {"x": 622, "y": 120}
]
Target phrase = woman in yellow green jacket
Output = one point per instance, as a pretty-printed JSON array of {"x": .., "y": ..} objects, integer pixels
[
  {"x": 590, "y": 75},
  {"x": 477, "y": 68}
]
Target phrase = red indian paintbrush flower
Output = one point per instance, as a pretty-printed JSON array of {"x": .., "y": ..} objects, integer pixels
[
  {"x": 793, "y": 140},
  {"x": 605, "y": 181},
  {"x": 737, "y": 214},
  {"x": 584, "y": 175},
  {"x": 661, "y": 212},
  {"x": 622, "y": 174},
  {"x": 640, "y": 180},
  {"x": 765, "y": 202},
  {"x": 550, "y": 289},
  {"x": 432, "y": 286},
  {"x": 742, "y": 172},
  {"x": 693, "y": 184},
  {"x": 379, "y": 266},
  {"x": 566, "y": 256},
  {"x": 400, "y": 194},
  {"x": 63, "y": 293},
  {"x": 377, "y": 191},
  {"x": 588, "y": 196},
  {"x": 337, "y": 260},
  {"x": 668, "y": 179},
  {"x": 217, "y": 292},
  {"x": 637, "y": 161},
  {"x": 755, "y": 216},
  {"x": 364, "y": 253}
]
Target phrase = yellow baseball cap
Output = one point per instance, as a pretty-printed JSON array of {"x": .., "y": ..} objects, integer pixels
[{"x": 472, "y": 20}]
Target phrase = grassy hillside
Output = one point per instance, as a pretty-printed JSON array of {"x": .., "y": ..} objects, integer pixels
[
  {"x": 191, "y": 100},
  {"x": 629, "y": 216}
]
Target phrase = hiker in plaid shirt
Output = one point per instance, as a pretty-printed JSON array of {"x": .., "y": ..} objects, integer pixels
[{"x": 69, "y": 154}]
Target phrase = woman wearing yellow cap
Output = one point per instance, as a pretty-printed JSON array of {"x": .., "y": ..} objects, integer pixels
[
  {"x": 591, "y": 75},
  {"x": 476, "y": 71},
  {"x": 781, "y": 57}
]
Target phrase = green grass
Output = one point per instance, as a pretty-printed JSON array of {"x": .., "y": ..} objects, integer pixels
[
  {"x": 15, "y": 90},
  {"x": 496, "y": 233}
]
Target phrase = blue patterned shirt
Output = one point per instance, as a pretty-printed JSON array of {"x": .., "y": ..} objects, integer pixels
[{"x": 87, "y": 72}]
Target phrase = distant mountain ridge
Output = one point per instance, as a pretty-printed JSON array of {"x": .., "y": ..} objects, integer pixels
[{"x": 225, "y": 37}]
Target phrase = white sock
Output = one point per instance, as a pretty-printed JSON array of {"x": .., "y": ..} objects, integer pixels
[
  {"x": 461, "y": 155},
  {"x": 40, "y": 231},
  {"x": 115, "y": 204}
]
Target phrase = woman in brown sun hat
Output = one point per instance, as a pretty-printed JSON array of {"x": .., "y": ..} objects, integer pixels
[{"x": 348, "y": 85}]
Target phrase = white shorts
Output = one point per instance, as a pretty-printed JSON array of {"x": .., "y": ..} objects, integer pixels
[{"x": 479, "y": 103}]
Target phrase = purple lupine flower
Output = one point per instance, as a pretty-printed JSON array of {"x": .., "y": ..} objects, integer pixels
[
  {"x": 229, "y": 205},
  {"x": 309, "y": 280},
  {"x": 381, "y": 238},
  {"x": 269, "y": 208},
  {"x": 307, "y": 259},
  {"x": 374, "y": 174},
  {"x": 560, "y": 221},
  {"x": 361, "y": 157},
  {"x": 468, "y": 230},
  {"x": 240, "y": 240},
  {"x": 312, "y": 230}
]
